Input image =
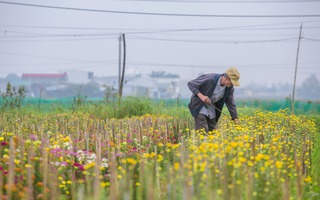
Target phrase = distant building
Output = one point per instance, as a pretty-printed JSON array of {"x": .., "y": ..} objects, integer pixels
[
  {"x": 13, "y": 79},
  {"x": 35, "y": 83},
  {"x": 79, "y": 77},
  {"x": 139, "y": 86},
  {"x": 156, "y": 85},
  {"x": 45, "y": 79}
]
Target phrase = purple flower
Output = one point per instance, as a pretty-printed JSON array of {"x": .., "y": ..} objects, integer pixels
[
  {"x": 33, "y": 137},
  {"x": 4, "y": 144},
  {"x": 79, "y": 166}
]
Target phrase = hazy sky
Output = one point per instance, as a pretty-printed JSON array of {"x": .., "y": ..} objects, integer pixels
[{"x": 260, "y": 37}]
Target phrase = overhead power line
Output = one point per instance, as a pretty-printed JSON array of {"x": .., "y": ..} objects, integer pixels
[
  {"x": 56, "y": 35},
  {"x": 148, "y": 31},
  {"x": 46, "y": 57},
  {"x": 246, "y": 27},
  {"x": 214, "y": 41},
  {"x": 159, "y": 14},
  {"x": 90, "y": 65},
  {"x": 205, "y": 41},
  {"x": 227, "y": 1},
  {"x": 311, "y": 39},
  {"x": 9, "y": 34}
]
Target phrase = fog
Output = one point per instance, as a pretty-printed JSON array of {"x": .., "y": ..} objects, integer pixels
[{"x": 260, "y": 38}]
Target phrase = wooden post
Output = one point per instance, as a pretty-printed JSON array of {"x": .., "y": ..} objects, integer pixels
[
  {"x": 119, "y": 72},
  {"x": 124, "y": 65},
  {"x": 295, "y": 72}
]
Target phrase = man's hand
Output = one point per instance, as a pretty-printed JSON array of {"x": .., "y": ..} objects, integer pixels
[
  {"x": 236, "y": 121},
  {"x": 204, "y": 98}
]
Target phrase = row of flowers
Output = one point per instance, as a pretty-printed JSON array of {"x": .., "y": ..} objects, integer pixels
[{"x": 267, "y": 155}]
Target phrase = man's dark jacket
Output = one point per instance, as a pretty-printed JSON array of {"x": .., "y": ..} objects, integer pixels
[{"x": 205, "y": 84}]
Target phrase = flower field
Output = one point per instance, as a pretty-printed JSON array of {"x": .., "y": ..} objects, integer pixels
[{"x": 269, "y": 155}]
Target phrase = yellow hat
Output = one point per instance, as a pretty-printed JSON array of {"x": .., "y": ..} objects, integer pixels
[{"x": 234, "y": 75}]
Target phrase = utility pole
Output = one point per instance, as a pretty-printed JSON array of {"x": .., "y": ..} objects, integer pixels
[
  {"x": 124, "y": 65},
  {"x": 295, "y": 72},
  {"x": 119, "y": 72}
]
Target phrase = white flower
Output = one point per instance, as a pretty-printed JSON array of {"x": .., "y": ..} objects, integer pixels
[
  {"x": 92, "y": 156},
  {"x": 105, "y": 165},
  {"x": 66, "y": 144},
  {"x": 104, "y": 162},
  {"x": 80, "y": 155}
]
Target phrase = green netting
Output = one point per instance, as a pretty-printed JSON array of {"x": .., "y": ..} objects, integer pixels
[
  {"x": 300, "y": 107},
  {"x": 60, "y": 101}
]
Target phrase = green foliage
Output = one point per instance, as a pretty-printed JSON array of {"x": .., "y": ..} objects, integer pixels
[
  {"x": 171, "y": 107},
  {"x": 316, "y": 149},
  {"x": 112, "y": 107},
  {"x": 300, "y": 107},
  {"x": 78, "y": 102},
  {"x": 12, "y": 97},
  {"x": 133, "y": 106},
  {"x": 246, "y": 111},
  {"x": 110, "y": 94}
]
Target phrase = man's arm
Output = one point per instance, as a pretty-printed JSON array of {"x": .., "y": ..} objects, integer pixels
[
  {"x": 231, "y": 105},
  {"x": 195, "y": 85}
]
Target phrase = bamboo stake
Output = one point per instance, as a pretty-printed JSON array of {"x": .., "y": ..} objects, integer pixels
[
  {"x": 97, "y": 169},
  {"x": 1, "y": 185},
  {"x": 45, "y": 169},
  {"x": 157, "y": 173},
  {"x": 299, "y": 174},
  {"x": 114, "y": 189},
  {"x": 30, "y": 173},
  {"x": 11, "y": 169},
  {"x": 53, "y": 183}
]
